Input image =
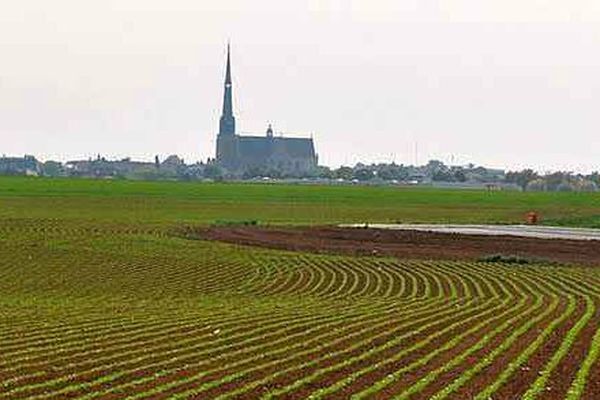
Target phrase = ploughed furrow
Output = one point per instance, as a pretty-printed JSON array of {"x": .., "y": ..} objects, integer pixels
[
  {"x": 119, "y": 310},
  {"x": 397, "y": 279},
  {"x": 463, "y": 385},
  {"x": 348, "y": 380},
  {"x": 429, "y": 374},
  {"x": 337, "y": 378},
  {"x": 335, "y": 279},
  {"x": 586, "y": 384},
  {"x": 20, "y": 339},
  {"x": 293, "y": 371},
  {"x": 22, "y": 368},
  {"x": 556, "y": 376},
  {"x": 492, "y": 373},
  {"x": 447, "y": 361},
  {"x": 391, "y": 376},
  {"x": 117, "y": 332},
  {"x": 227, "y": 361},
  {"x": 231, "y": 379},
  {"x": 103, "y": 345},
  {"x": 528, "y": 373},
  {"x": 359, "y": 352},
  {"x": 299, "y": 351},
  {"x": 240, "y": 336},
  {"x": 559, "y": 373}
]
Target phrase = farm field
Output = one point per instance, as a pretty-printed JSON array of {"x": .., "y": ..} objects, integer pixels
[
  {"x": 102, "y": 298},
  {"x": 163, "y": 203}
]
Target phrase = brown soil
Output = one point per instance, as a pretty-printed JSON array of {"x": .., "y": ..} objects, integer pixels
[
  {"x": 564, "y": 374},
  {"x": 445, "y": 378},
  {"x": 414, "y": 375},
  {"x": 402, "y": 244},
  {"x": 333, "y": 376},
  {"x": 524, "y": 377},
  {"x": 263, "y": 372},
  {"x": 592, "y": 387}
]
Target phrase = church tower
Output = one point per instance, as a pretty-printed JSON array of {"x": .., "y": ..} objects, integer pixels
[
  {"x": 227, "y": 123},
  {"x": 226, "y": 139},
  {"x": 245, "y": 155}
]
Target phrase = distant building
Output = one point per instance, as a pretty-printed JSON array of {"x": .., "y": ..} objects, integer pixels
[
  {"x": 27, "y": 165},
  {"x": 173, "y": 161},
  {"x": 239, "y": 154},
  {"x": 103, "y": 168}
]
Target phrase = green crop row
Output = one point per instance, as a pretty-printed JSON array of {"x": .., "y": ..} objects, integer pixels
[{"x": 93, "y": 307}]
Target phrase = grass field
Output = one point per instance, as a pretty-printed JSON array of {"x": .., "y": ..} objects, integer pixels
[
  {"x": 168, "y": 202},
  {"x": 98, "y": 300}
]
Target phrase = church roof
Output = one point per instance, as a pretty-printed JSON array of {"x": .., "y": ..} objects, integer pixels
[{"x": 264, "y": 147}]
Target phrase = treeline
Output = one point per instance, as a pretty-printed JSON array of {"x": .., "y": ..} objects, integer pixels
[
  {"x": 437, "y": 171},
  {"x": 434, "y": 172},
  {"x": 561, "y": 181}
]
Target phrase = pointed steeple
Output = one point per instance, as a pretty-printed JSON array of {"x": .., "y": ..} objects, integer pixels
[
  {"x": 227, "y": 123},
  {"x": 228, "y": 72}
]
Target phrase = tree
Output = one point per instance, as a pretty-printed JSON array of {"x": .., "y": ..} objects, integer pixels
[
  {"x": 559, "y": 181},
  {"x": 52, "y": 168},
  {"x": 325, "y": 172},
  {"x": 363, "y": 174},
  {"x": 343, "y": 173},
  {"x": 522, "y": 178},
  {"x": 213, "y": 172}
]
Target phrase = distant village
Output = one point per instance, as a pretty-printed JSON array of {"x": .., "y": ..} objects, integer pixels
[
  {"x": 434, "y": 173},
  {"x": 276, "y": 158}
]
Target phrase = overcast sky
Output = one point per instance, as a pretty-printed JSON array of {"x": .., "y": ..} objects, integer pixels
[{"x": 507, "y": 83}]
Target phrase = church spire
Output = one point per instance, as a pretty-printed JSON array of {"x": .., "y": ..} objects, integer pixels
[
  {"x": 228, "y": 72},
  {"x": 227, "y": 123}
]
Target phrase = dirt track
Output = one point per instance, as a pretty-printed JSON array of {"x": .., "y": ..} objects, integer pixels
[{"x": 402, "y": 244}]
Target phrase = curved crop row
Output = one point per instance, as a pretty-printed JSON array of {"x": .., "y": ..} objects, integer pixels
[{"x": 124, "y": 311}]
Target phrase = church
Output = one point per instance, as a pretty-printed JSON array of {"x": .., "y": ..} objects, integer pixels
[{"x": 246, "y": 154}]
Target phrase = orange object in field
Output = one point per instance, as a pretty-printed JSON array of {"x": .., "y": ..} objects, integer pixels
[{"x": 532, "y": 218}]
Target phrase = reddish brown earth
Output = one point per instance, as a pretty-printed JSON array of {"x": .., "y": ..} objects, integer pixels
[
  {"x": 564, "y": 374},
  {"x": 402, "y": 244},
  {"x": 521, "y": 381},
  {"x": 592, "y": 387},
  {"x": 445, "y": 378}
]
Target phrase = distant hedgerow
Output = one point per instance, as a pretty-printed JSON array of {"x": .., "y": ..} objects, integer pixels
[{"x": 506, "y": 259}]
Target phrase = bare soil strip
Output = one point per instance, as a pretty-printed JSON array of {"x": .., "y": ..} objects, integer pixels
[
  {"x": 518, "y": 384},
  {"x": 564, "y": 374},
  {"x": 592, "y": 387},
  {"x": 388, "y": 328},
  {"x": 401, "y": 244},
  {"x": 448, "y": 355}
]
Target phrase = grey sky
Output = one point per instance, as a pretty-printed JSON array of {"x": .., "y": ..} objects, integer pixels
[{"x": 509, "y": 83}]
